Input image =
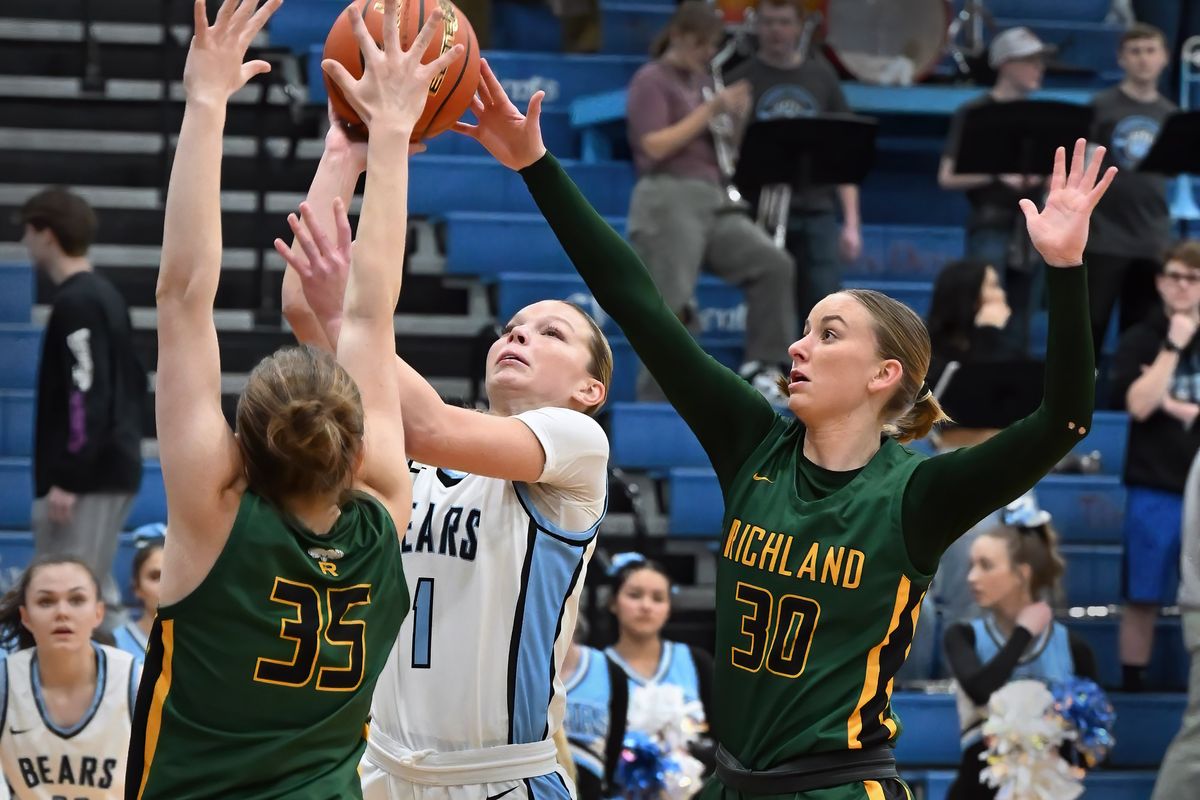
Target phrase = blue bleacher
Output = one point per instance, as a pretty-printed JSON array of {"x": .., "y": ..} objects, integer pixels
[
  {"x": 20, "y": 347},
  {"x": 17, "y": 287},
  {"x": 445, "y": 184},
  {"x": 16, "y": 493},
  {"x": 16, "y": 422}
]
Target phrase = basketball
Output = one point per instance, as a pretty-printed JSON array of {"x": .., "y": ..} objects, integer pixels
[{"x": 450, "y": 92}]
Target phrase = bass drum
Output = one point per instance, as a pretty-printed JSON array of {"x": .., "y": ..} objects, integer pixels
[
  {"x": 734, "y": 11},
  {"x": 886, "y": 42}
]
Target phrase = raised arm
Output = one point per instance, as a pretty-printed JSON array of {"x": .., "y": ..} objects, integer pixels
[
  {"x": 951, "y": 492},
  {"x": 434, "y": 432},
  {"x": 727, "y": 415},
  {"x": 390, "y": 98},
  {"x": 200, "y": 460}
]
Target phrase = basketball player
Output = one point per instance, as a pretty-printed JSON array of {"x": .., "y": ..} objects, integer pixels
[
  {"x": 67, "y": 701},
  {"x": 282, "y": 588},
  {"x": 505, "y": 511},
  {"x": 833, "y": 529}
]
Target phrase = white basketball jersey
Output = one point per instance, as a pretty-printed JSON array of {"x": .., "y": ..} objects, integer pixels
[
  {"x": 45, "y": 762},
  {"x": 495, "y": 588}
]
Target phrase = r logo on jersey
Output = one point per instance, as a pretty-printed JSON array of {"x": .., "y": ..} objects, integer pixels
[{"x": 325, "y": 557}]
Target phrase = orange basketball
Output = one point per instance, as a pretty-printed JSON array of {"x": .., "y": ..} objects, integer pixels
[{"x": 450, "y": 92}]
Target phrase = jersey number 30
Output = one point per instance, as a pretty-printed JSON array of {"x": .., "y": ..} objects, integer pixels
[
  {"x": 779, "y": 634},
  {"x": 308, "y": 627}
]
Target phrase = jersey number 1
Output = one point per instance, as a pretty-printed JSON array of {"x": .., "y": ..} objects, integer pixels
[
  {"x": 779, "y": 635},
  {"x": 422, "y": 643},
  {"x": 307, "y": 629}
]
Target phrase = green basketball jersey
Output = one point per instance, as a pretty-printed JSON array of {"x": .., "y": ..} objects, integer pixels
[
  {"x": 816, "y": 606},
  {"x": 258, "y": 684}
]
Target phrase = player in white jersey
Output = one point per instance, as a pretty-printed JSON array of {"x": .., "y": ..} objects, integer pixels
[
  {"x": 67, "y": 702},
  {"x": 505, "y": 510}
]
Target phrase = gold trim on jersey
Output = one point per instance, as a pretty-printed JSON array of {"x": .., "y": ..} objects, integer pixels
[
  {"x": 874, "y": 790},
  {"x": 871, "y": 681},
  {"x": 161, "y": 687}
]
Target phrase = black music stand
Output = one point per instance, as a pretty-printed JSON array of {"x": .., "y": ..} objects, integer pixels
[
  {"x": 821, "y": 150},
  {"x": 1019, "y": 137},
  {"x": 1174, "y": 152}
]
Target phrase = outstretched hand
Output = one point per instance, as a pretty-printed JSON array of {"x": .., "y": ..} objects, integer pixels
[
  {"x": 395, "y": 84},
  {"x": 214, "y": 69},
  {"x": 323, "y": 264},
  {"x": 514, "y": 139},
  {"x": 1060, "y": 230}
]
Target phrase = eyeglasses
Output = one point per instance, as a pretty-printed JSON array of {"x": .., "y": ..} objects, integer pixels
[{"x": 1191, "y": 278}]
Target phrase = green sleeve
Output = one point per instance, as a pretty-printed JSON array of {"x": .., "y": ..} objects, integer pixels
[
  {"x": 728, "y": 416},
  {"x": 951, "y": 492}
]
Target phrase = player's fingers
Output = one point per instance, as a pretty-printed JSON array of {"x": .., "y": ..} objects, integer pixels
[
  {"x": 489, "y": 79},
  {"x": 344, "y": 234},
  {"x": 293, "y": 260},
  {"x": 444, "y": 60},
  {"x": 252, "y": 68},
  {"x": 261, "y": 16},
  {"x": 534, "y": 113},
  {"x": 366, "y": 45},
  {"x": 1093, "y": 168},
  {"x": 342, "y": 78},
  {"x": 200, "y": 20},
  {"x": 242, "y": 13},
  {"x": 1100, "y": 188},
  {"x": 466, "y": 129},
  {"x": 391, "y": 27},
  {"x": 225, "y": 12},
  {"x": 300, "y": 230},
  {"x": 1058, "y": 178},
  {"x": 1029, "y": 208},
  {"x": 1078, "y": 163},
  {"x": 427, "y": 33}
]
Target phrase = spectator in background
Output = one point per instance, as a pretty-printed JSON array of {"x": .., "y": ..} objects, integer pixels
[
  {"x": 1181, "y": 766},
  {"x": 786, "y": 84},
  {"x": 993, "y": 233},
  {"x": 680, "y": 216},
  {"x": 968, "y": 324},
  {"x": 1178, "y": 20},
  {"x": 1131, "y": 228},
  {"x": 1015, "y": 569},
  {"x": 87, "y": 461},
  {"x": 1156, "y": 377}
]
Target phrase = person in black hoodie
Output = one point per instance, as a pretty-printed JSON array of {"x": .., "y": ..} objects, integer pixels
[
  {"x": 1156, "y": 377},
  {"x": 87, "y": 463}
]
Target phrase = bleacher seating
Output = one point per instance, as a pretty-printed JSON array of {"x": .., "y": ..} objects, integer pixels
[{"x": 496, "y": 254}]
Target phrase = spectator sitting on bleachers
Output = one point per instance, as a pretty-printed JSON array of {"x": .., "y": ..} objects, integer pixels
[
  {"x": 1181, "y": 765},
  {"x": 1018, "y": 56},
  {"x": 597, "y": 708},
  {"x": 1178, "y": 20},
  {"x": 1156, "y": 377},
  {"x": 679, "y": 215},
  {"x": 1014, "y": 571},
  {"x": 968, "y": 319},
  {"x": 788, "y": 83},
  {"x": 87, "y": 458},
  {"x": 134, "y": 636},
  {"x": 1132, "y": 225},
  {"x": 641, "y": 604}
]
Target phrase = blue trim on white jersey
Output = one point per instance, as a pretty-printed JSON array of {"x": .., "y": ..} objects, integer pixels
[
  {"x": 539, "y": 519},
  {"x": 554, "y": 570},
  {"x": 101, "y": 678}
]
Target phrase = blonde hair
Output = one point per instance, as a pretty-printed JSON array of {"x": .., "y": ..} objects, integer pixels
[
  {"x": 600, "y": 365},
  {"x": 300, "y": 426},
  {"x": 900, "y": 334}
]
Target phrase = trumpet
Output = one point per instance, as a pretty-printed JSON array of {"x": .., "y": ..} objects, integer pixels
[
  {"x": 1183, "y": 202},
  {"x": 775, "y": 201}
]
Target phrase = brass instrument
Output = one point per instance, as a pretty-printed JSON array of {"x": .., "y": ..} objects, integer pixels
[{"x": 723, "y": 126}]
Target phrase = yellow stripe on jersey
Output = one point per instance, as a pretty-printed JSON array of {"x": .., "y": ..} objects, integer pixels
[
  {"x": 871, "y": 681},
  {"x": 161, "y": 687},
  {"x": 874, "y": 790}
]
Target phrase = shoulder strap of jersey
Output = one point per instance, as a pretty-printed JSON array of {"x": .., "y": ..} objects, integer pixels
[{"x": 618, "y": 713}]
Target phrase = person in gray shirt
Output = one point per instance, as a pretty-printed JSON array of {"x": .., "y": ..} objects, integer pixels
[
  {"x": 1180, "y": 773},
  {"x": 1131, "y": 228},
  {"x": 786, "y": 84},
  {"x": 680, "y": 216}
]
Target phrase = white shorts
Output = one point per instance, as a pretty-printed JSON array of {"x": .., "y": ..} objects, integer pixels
[{"x": 378, "y": 784}]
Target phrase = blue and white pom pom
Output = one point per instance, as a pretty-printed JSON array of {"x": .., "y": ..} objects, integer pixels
[{"x": 1087, "y": 711}]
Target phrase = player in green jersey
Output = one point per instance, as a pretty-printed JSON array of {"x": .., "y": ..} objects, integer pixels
[
  {"x": 282, "y": 589},
  {"x": 833, "y": 529}
]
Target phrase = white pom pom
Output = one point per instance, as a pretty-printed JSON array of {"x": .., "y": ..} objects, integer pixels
[{"x": 1023, "y": 735}]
